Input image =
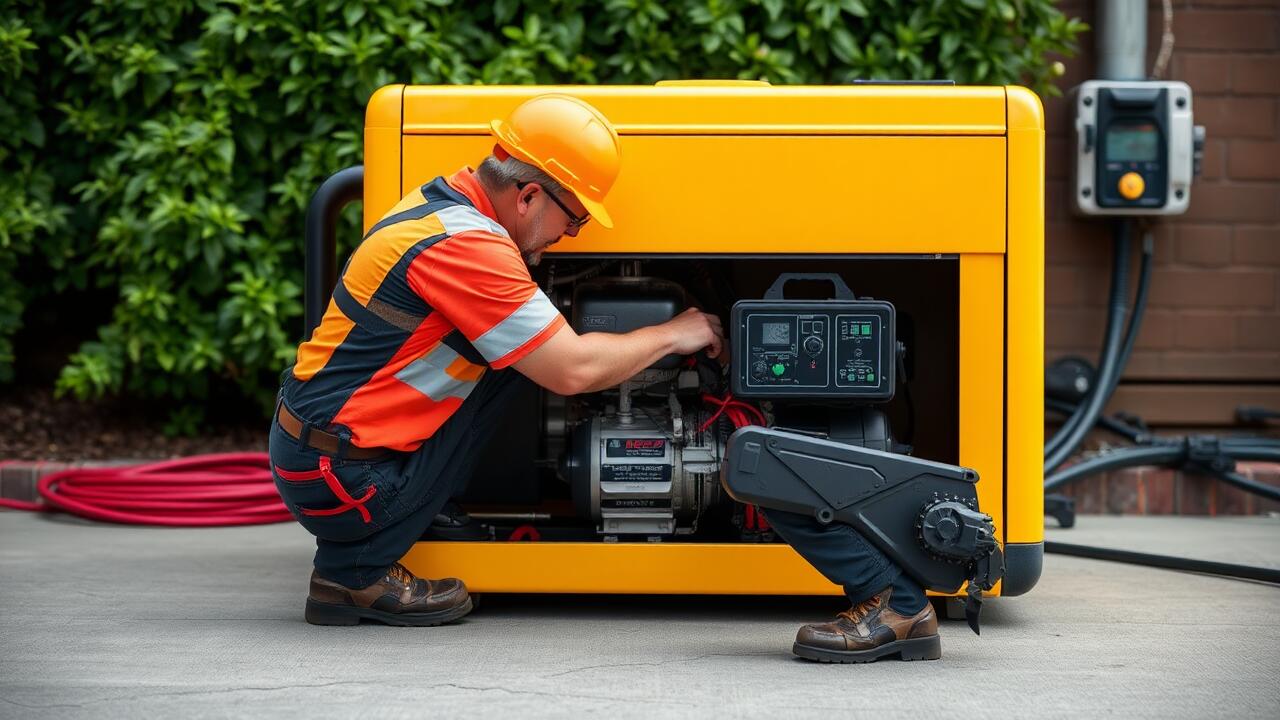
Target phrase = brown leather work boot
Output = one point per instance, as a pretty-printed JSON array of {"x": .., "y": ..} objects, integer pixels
[
  {"x": 869, "y": 631},
  {"x": 399, "y": 598}
]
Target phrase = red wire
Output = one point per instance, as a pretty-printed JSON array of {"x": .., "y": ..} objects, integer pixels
[
  {"x": 199, "y": 491},
  {"x": 525, "y": 531},
  {"x": 739, "y": 413}
]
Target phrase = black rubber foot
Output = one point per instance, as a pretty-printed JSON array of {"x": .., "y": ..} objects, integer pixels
[
  {"x": 925, "y": 648},
  {"x": 319, "y": 613}
]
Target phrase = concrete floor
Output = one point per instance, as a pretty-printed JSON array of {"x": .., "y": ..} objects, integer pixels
[{"x": 106, "y": 621}]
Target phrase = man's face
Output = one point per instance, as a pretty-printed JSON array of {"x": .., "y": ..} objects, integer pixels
[{"x": 542, "y": 221}]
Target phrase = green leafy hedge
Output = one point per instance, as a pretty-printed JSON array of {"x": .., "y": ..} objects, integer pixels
[{"x": 165, "y": 151}]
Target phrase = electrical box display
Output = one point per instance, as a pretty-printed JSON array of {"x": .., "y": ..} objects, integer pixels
[
  {"x": 813, "y": 349},
  {"x": 1136, "y": 148}
]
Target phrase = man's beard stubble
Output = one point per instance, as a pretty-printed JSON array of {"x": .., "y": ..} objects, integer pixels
[{"x": 533, "y": 257}]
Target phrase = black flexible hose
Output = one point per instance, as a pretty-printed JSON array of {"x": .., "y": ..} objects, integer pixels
[
  {"x": 1244, "y": 483},
  {"x": 1069, "y": 437},
  {"x": 1128, "y": 457},
  {"x": 1154, "y": 455},
  {"x": 1139, "y": 306},
  {"x": 1110, "y": 424},
  {"x": 1130, "y": 339},
  {"x": 1270, "y": 575},
  {"x": 1250, "y": 441}
]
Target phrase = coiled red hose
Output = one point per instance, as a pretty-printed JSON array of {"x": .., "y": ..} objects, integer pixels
[{"x": 200, "y": 491}]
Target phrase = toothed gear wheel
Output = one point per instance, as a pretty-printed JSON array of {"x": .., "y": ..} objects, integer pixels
[{"x": 952, "y": 529}]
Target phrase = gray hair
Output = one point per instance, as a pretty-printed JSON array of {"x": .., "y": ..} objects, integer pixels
[{"x": 499, "y": 174}]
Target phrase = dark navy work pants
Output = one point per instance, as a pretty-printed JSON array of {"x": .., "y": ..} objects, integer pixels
[
  {"x": 848, "y": 559},
  {"x": 355, "y": 547}
]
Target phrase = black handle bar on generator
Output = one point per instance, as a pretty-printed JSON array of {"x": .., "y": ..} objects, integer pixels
[{"x": 320, "y": 242}]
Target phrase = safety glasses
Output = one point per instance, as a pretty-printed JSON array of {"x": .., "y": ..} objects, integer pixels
[{"x": 575, "y": 222}]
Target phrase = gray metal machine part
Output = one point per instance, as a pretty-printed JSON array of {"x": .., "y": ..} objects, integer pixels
[
  {"x": 924, "y": 515},
  {"x": 645, "y": 470}
]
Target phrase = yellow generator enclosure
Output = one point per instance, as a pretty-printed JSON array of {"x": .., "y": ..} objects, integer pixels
[{"x": 929, "y": 197}]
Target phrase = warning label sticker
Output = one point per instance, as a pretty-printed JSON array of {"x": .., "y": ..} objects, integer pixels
[
  {"x": 635, "y": 447},
  {"x": 635, "y": 473}
]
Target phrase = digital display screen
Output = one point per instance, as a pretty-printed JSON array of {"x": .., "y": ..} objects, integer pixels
[
  {"x": 776, "y": 333},
  {"x": 1132, "y": 143}
]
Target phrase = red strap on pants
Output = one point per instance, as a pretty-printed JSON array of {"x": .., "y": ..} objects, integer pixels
[{"x": 326, "y": 472}]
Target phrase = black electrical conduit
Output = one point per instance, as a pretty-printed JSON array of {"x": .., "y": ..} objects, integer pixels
[
  {"x": 1180, "y": 454},
  {"x": 1117, "y": 347},
  {"x": 1248, "y": 572},
  {"x": 1110, "y": 424},
  {"x": 1112, "y": 343},
  {"x": 1212, "y": 456}
]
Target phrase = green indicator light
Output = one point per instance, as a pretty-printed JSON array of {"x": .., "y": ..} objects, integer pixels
[
  {"x": 779, "y": 368},
  {"x": 871, "y": 377},
  {"x": 866, "y": 329},
  {"x": 853, "y": 329}
]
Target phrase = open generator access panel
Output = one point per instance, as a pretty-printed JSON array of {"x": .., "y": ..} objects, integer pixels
[{"x": 927, "y": 199}]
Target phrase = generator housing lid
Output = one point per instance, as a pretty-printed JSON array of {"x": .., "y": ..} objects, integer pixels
[{"x": 749, "y": 168}]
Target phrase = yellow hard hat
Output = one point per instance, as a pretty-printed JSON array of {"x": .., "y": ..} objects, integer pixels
[{"x": 569, "y": 140}]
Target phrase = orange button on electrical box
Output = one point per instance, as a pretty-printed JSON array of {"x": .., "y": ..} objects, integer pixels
[{"x": 1131, "y": 185}]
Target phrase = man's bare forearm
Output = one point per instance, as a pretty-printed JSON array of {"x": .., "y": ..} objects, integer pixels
[{"x": 609, "y": 359}]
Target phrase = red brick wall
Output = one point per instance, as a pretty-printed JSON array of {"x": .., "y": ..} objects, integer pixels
[{"x": 1211, "y": 336}]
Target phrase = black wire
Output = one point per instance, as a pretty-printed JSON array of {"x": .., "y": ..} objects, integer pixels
[
  {"x": 1127, "y": 457},
  {"x": 910, "y": 435},
  {"x": 1123, "y": 429},
  {"x": 1070, "y": 432},
  {"x": 1244, "y": 483},
  {"x": 1249, "y": 572},
  {"x": 1068, "y": 438},
  {"x": 1153, "y": 455},
  {"x": 1139, "y": 306}
]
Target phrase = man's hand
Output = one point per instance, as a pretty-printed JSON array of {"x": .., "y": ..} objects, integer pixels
[
  {"x": 694, "y": 330},
  {"x": 568, "y": 363}
]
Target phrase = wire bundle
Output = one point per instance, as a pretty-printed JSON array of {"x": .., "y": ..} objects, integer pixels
[
  {"x": 200, "y": 491},
  {"x": 739, "y": 413}
]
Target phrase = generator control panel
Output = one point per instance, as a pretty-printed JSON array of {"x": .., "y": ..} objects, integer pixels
[
  {"x": 843, "y": 348},
  {"x": 1136, "y": 147}
]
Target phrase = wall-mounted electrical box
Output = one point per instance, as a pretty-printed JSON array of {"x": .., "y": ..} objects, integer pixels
[{"x": 1136, "y": 147}]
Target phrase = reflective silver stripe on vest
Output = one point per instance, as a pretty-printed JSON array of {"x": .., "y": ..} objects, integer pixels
[
  {"x": 460, "y": 218},
  {"x": 428, "y": 375},
  {"x": 518, "y": 328}
]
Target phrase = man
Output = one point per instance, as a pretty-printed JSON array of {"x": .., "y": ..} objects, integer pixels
[{"x": 382, "y": 414}]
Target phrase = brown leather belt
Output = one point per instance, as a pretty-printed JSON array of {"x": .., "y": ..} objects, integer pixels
[{"x": 317, "y": 439}]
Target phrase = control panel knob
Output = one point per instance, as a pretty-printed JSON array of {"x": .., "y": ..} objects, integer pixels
[
  {"x": 758, "y": 370},
  {"x": 813, "y": 345},
  {"x": 1131, "y": 186}
]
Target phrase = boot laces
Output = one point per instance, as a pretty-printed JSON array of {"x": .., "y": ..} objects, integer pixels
[
  {"x": 401, "y": 574},
  {"x": 860, "y": 611}
]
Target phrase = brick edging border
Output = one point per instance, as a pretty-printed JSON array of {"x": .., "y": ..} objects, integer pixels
[{"x": 18, "y": 478}]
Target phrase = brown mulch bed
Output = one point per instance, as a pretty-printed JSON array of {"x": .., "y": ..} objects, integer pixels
[{"x": 37, "y": 426}]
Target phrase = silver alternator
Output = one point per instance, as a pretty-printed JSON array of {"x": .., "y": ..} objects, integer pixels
[{"x": 645, "y": 470}]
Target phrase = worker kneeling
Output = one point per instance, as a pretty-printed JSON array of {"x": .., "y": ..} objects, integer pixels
[{"x": 382, "y": 416}]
